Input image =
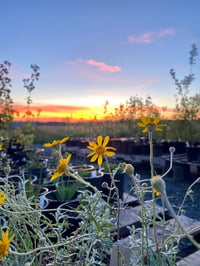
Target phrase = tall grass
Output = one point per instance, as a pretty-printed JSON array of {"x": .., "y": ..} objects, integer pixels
[{"x": 115, "y": 129}]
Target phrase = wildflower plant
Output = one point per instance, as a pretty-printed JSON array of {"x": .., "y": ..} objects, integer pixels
[{"x": 36, "y": 235}]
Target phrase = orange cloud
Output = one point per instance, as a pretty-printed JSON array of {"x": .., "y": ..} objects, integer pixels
[{"x": 150, "y": 37}]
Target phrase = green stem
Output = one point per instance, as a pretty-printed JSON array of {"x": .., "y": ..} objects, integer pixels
[
  {"x": 168, "y": 205},
  {"x": 153, "y": 196},
  {"x": 151, "y": 153},
  {"x": 48, "y": 247}
]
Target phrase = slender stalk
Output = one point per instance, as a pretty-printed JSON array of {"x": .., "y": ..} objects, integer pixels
[
  {"x": 186, "y": 194},
  {"x": 168, "y": 205},
  {"x": 153, "y": 196}
]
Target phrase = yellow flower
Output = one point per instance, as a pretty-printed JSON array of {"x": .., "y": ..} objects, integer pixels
[
  {"x": 157, "y": 193},
  {"x": 5, "y": 243},
  {"x": 55, "y": 143},
  {"x": 1, "y": 147},
  {"x": 63, "y": 163},
  {"x": 2, "y": 198},
  {"x": 149, "y": 124},
  {"x": 99, "y": 149}
]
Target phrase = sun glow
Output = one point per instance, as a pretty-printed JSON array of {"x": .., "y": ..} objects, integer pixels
[
  {"x": 61, "y": 113},
  {"x": 58, "y": 113}
]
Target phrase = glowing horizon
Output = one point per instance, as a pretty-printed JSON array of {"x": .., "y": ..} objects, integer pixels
[
  {"x": 61, "y": 113},
  {"x": 58, "y": 113}
]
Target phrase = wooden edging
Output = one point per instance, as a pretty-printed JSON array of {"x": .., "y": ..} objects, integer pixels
[{"x": 129, "y": 216}]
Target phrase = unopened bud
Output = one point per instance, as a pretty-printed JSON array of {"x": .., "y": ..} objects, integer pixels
[
  {"x": 129, "y": 169},
  {"x": 172, "y": 149},
  {"x": 144, "y": 185},
  {"x": 122, "y": 166},
  {"x": 158, "y": 184},
  {"x": 105, "y": 185}
]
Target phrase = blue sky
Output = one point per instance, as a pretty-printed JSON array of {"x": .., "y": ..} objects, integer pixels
[{"x": 90, "y": 51}]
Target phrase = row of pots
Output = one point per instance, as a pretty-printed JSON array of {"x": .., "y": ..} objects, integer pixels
[{"x": 65, "y": 188}]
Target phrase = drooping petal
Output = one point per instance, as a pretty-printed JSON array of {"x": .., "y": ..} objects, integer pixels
[
  {"x": 55, "y": 176},
  {"x": 156, "y": 120},
  {"x": 140, "y": 124},
  {"x": 158, "y": 129},
  {"x": 93, "y": 159},
  {"x": 91, "y": 153},
  {"x": 109, "y": 153},
  {"x": 100, "y": 160},
  {"x": 110, "y": 148},
  {"x": 145, "y": 130},
  {"x": 162, "y": 125}
]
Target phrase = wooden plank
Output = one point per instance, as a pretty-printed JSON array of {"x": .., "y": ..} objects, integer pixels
[
  {"x": 148, "y": 206},
  {"x": 129, "y": 200},
  {"x": 126, "y": 218},
  {"x": 125, "y": 253},
  {"x": 129, "y": 216},
  {"x": 192, "y": 260},
  {"x": 189, "y": 224}
]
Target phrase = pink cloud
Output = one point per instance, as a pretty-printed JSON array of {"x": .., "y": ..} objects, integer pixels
[
  {"x": 150, "y": 37},
  {"x": 100, "y": 65}
]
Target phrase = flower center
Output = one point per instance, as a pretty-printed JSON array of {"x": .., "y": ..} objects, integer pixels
[
  {"x": 61, "y": 168},
  {"x": 100, "y": 150}
]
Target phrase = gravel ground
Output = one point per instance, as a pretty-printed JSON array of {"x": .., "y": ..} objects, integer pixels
[{"x": 176, "y": 192}]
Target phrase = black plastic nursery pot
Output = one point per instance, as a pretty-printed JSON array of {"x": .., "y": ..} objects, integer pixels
[
  {"x": 68, "y": 216},
  {"x": 40, "y": 172},
  {"x": 62, "y": 214},
  {"x": 193, "y": 154},
  {"x": 95, "y": 180},
  {"x": 43, "y": 182}
]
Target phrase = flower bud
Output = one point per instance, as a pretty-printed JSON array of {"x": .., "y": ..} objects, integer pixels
[
  {"x": 172, "y": 149},
  {"x": 158, "y": 184},
  {"x": 129, "y": 169}
]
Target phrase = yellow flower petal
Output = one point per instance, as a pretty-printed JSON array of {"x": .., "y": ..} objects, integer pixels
[
  {"x": 56, "y": 142},
  {"x": 109, "y": 153},
  {"x": 106, "y": 140},
  {"x": 140, "y": 124},
  {"x": 5, "y": 243},
  {"x": 91, "y": 153},
  {"x": 145, "y": 130},
  {"x": 100, "y": 160},
  {"x": 93, "y": 159},
  {"x": 156, "y": 120},
  {"x": 99, "y": 140},
  {"x": 2, "y": 198}
]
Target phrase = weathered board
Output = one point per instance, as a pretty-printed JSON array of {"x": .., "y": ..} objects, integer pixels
[{"x": 129, "y": 216}]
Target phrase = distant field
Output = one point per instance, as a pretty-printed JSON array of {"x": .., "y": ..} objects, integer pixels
[
  {"x": 175, "y": 130},
  {"x": 49, "y": 131}
]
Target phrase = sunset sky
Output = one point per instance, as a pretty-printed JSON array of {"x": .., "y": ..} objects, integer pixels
[{"x": 93, "y": 51}]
